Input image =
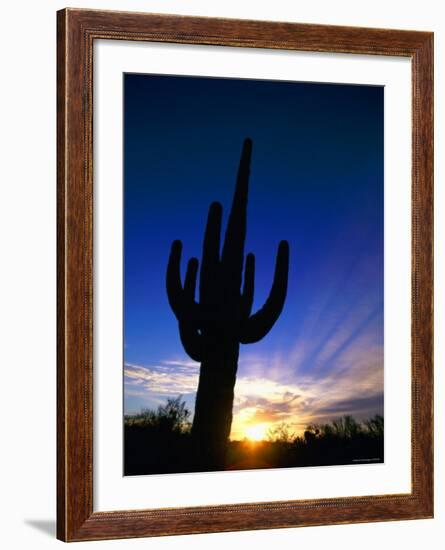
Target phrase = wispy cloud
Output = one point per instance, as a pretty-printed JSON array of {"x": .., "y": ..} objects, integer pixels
[
  {"x": 359, "y": 404},
  {"x": 181, "y": 363},
  {"x": 161, "y": 379}
]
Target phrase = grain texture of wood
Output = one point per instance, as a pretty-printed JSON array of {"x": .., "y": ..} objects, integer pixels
[{"x": 76, "y": 32}]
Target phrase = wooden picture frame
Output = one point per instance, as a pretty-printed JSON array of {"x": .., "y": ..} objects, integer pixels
[{"x": 77, "y": 31}]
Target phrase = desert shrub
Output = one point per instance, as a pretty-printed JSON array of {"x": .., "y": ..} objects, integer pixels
[
  {"x": 342, "y": 441},
  {"x": 375, "y": 426},
  {"x": 158, "y": 441},
  {"x": 171, "y": 417},
  {"x": 281, "y": 433}
]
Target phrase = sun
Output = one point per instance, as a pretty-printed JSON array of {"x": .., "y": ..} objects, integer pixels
[{"x": 256, "y": 432}]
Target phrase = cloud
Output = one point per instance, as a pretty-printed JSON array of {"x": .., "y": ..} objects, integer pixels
[
  {"x": 260, "y": 400},
  {"x": 354, "y": 406},
  {"x": 161, "y": 379},
  {"x": 346, "y": 377},
  {"x": 179, "y": 363}
]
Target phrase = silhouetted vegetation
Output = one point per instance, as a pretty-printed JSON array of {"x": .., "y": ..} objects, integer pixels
[
  {"x": 212, "y": 328},
  {"x": 342, "y": 441},
  {"x": 282, "y": 433},
  {"x": 160, "y": 442}
]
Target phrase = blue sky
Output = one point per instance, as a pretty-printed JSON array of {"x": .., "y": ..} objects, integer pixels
[{"x": 316, "y": 181}]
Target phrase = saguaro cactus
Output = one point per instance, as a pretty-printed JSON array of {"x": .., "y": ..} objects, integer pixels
[{"x": 212, "y": 328}]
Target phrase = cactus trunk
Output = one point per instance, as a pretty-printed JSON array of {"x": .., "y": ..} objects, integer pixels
[
  {"x": 214, "y": 403},
  {"x": 212, "y": 329}
]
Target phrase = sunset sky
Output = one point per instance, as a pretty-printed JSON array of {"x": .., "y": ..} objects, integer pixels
[{"x": 316, "y": 181}]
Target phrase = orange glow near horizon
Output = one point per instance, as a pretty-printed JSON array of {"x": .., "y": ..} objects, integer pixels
[{"x": 256, "y": 432}]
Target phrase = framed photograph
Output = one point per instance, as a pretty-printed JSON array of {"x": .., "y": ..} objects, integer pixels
[{"x": 245, "y": 229}]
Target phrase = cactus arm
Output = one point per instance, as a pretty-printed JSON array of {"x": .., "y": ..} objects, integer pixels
[
  {"x": 249, "y": 286},
  {"x": 183, "y": 306},
  {"x": 210, "y": 254},
  {"x": 190, "y": 337},
  {"x": 191, "y": 340},
  {"x": 259, "y": 324},
  {"x": 174, "y": 286},
  {"x": 190, "y": 279},
  {"x": 233, "y": 249}
]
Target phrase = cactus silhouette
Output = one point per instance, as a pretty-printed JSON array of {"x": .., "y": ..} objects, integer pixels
[{"x": 212, "y": 328}]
